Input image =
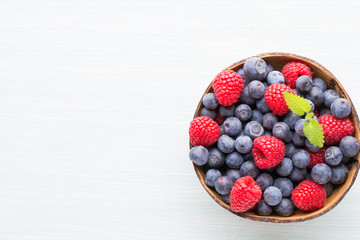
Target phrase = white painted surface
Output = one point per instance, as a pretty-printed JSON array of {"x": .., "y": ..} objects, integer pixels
[{"x": 95, "y": 102}]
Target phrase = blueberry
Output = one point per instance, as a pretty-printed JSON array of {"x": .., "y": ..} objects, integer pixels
[
  {"x": 272, "y": 196},
  {"x": 264, "y": 180},
  {"x": 208, "y": 113},
  {"x": 318, "y": 82},
  {"x": 233, "y": 174},
  {"x": 243, "y": 77},
  {"x": 249, "y": 157},
  {"x": 270, "y": 170},
  {"x": 211, "y": 176},
  {"x": 298, "y": 174},
  {"x": 255, "y": 68},
  {"x": 290, "y": 119},
  {"x": 232, "y": 126},
  {"x": 240, "y": 134},
  {"x": 226, "y": 198},
  {"x": 269, "y": 69},
  {"x": 299, "y": 126},
  {"x": 257, "y": 116},
  {"x": 285, "y": 208},
  {"x": 280, "y": 130},
  {"x": 297, "y": 92},
  {"x": 290, "y": 150},
  {"x": 268, "y": 133},
  {"x": 321, "y": 173},
  {"x": 345, "y": 159},
  {"x": 349, "y": 146},
  {"x": 227, "y": 111},
  {"x": 210, "y": 101},
  {"x": 316, "y": 96},
  {"x": 275, "y": 77},
  {"x": 226, "y": 144},
  {"x": 223, "y": 185},
  {"x": 308, "y": 176},
  {"x": 329, "y": 188},
  {"x": 216, "y": 158},
  {"x": 340, "y": 108},
  {"x": 329, "y": 96},
  {"x": 310, "y": 146},
  {"x": 234, "y": 160},
  {"x": 199, "y": 155},
  {"x": 222, "y": 129},
  {"x": 249, "y": 169},
  {"x": 262, "y": 105},
  {"x": 301, "y": 158},
  {"x": 245, "y": 97},
  {"x": 311, "y": 104},
  {"x": 285, "y": 185},
  {"x": 285, "y": 167},
  {"x": 256, "y": 89},
  {"x": 324, "y": 110},
  {"x": 243, "y": 144},
  {"x": 315, "y": 117},
  {"x": 304, "y": 83},
  {"x": 333, "y": 156},
  {"x": 254, "y": 129},
  {"x": 243, "y": 112},
  {"x": 298, "y": 140},
  {"x": 269, "y": 120},
  {"x": 339, "y": 174},
  {"x": 263, "y": 209},
  {"x": 288, "y": 138}
]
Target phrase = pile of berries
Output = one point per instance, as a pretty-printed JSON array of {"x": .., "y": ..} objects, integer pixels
[{"x": 253, "y": 148}]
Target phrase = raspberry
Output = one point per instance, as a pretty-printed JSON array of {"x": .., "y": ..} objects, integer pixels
[
  {"x": 293, "y": 70},
  {"x": 219, "y": 119},
  {"x": 316, "y": 157},
  {"x": 316, "y": 113},
  {"x": 335, "y": 128},
  {"x": 228, "y": 86},
  {"x": 275, "y": 99},
  {"x": 244, "y": 194},
  {"x": 268, "y": 151},
  {"x": 309, "y": 196},
  {"x": 203, "y": 131}
]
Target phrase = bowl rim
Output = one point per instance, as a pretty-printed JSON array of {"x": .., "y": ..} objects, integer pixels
[{"x": 279, "y": 219}]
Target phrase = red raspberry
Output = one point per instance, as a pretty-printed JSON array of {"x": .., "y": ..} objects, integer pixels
[
  {"x": 316, "y": 113},
  {"x": 268, "y": 151},
  {"x": 203, "y": 131},
  {"x": 219, "y": 119},
  {"x": 309, "y": 196},
  {"x": 227, "y": 86},
  {"x": 275, "y": 99},
  {"x": 316, "y": 157},
  {"x": 293, "y": 70},
  {"x": 335, "y": 128},
  {"x": 244, "y": 194}
]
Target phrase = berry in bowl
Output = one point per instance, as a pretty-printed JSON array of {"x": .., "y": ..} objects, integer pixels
[{"x": 275, "y": 138}]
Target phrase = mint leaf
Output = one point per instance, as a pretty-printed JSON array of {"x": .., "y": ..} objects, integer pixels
[
  {"x": 297, "y": 104},
  {"x": 309, "y": 116},
  {"x": 314, "y": 133}
]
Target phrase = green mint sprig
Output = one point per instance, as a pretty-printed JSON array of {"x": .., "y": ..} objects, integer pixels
[
  {"x": 297, "y": 104},
  {"x": 314, "y": 132},
  {"x": 312, "y": 129}
]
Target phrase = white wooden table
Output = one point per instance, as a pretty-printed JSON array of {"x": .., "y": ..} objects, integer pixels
[{"x": 96, "y": 99}]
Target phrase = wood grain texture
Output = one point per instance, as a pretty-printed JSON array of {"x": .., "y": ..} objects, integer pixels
[
  {"x": 278, "y": 60},
  {"x": 96, "y": 98}
]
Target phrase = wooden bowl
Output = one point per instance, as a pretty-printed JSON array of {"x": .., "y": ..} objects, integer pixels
[{"x": 278, "y": 60}]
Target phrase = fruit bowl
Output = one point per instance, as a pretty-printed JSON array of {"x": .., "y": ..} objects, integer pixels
[{"x": 278, "y": 60}]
